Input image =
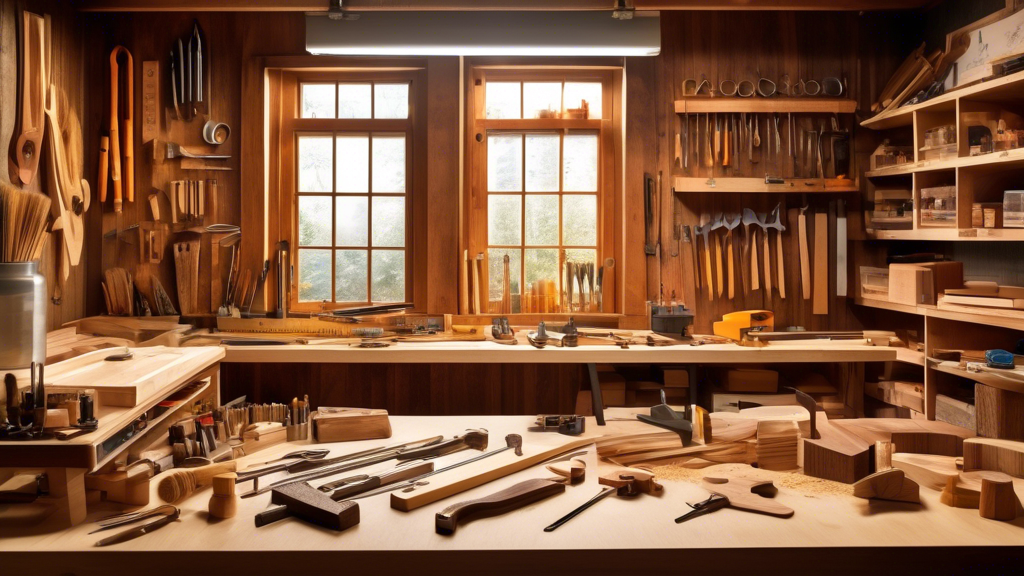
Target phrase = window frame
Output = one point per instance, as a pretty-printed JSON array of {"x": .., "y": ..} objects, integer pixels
[
  {"x": 609, "y": 197},
  {"x": 292, "y": 126}
]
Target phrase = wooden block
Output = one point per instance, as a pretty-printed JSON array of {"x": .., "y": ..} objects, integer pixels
[
  {"x": 1000, "y": 413},
  {"x": 750, "y": 380},
  {"x": 777, "y": 444},
  {"x": 349, "y": 424},
  {"x": 918, "y": 436},
  {"x": 584, "y": 403},
  {"x": 821, "y": 263},
  {"x": 957, "y": 496},
  {"x": 67, "y": 487},
  {"x": 883, "y": 455},
  {"x": 945, "y": 276},
  {"x": 676, "y": 378},
  {"x": 838, "y": 455},
  {"x": 910, "y": 284},
  {"x": 927, "y": 470},
  {"x": 998, "y": 501},
  {"x": 1006, "y": 456},
  {"x": 891, "y": 484},
  {"x": 955, "y": 412}
]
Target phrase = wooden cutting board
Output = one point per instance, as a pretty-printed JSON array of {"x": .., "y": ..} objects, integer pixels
[{"x": 130, "y": 382}]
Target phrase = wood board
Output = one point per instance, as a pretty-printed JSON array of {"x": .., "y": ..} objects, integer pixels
[{"x": 1005, "y": 456}]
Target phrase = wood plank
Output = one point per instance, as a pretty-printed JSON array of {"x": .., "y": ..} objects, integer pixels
[
  {"x": 821, "y": 263},
  {"x": 443, "y": 184},
  {"x": 758, "y": 185},
  {"x": 993, "y": 454},
  {"x": 1000, "y": 413},
  {"x": 703, "y": 105}
]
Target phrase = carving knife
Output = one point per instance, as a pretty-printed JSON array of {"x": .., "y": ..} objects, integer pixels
[
  {"x": 351, "y": 488},
  {"x": 139, "y": 530}
]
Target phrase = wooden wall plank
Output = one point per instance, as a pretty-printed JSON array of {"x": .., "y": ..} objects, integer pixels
[{"x": 443, "y": 192}]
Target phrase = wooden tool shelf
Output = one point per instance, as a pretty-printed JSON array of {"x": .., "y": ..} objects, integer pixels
[
  {"x": 1006, "y": 160},
  {"x": 757, "y": 185},
  {"x": 755, "y": 105},
  {"x": 981, "y": 317},
  {"x": 950, "y": 234},
  {"x": 992, "y": 379}
]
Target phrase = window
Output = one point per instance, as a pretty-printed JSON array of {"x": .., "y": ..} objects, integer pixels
[
  {"x": 540, "y": 158},
  {"x": 352, "y": 184}
]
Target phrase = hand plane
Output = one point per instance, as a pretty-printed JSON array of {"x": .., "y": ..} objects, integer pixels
[{"x": 737, "y": 324}]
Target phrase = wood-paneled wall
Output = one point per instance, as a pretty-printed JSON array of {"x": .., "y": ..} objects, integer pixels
[
  {"x": 737, "y": 46},
  {"x": 67, "y": 59}
]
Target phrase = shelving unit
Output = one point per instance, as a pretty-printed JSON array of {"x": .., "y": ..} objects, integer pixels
[
  {"x": 935, "y": 312},
  {"x": 758, "y": 105},
  {"x": 981, "y": 178},
  {"x": 987, "y": 378}
]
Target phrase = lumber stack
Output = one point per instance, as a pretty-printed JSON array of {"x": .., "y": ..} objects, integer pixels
[{"x": 776, "y": 445}]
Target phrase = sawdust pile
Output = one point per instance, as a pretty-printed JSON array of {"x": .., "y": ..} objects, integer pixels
[{"x": 795, "y": 481}]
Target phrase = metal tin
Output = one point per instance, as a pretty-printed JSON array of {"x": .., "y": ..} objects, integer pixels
[{"x": 22, "y": 315}]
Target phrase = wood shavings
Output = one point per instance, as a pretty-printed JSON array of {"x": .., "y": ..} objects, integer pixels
[{"x": 795, "y": 481}]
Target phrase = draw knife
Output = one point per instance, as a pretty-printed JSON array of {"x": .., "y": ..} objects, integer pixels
[{"x": 134, "y": 533}]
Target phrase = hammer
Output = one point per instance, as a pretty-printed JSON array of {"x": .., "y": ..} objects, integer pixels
[{"x": 305, "y": 502}]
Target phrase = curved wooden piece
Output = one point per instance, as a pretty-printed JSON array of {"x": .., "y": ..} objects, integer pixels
[
  {"x": 891, "y": 484},
  {"x": 631, "y": 481},
  {"x": 512, "y": 498},
  {"x": 748, "y": 494},
  {"x": 34, "y": 74}
]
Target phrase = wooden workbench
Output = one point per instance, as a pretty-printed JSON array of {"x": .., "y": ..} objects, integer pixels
[
  {"x": 799, "y": 351},
  {"x": 837, "y": 534}
]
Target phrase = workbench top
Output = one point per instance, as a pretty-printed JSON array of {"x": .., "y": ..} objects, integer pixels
[
  {"x": 798, "y": 351},
  {"x": 619, "y": 535}
]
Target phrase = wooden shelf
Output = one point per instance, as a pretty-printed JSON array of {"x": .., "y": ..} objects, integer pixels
[
  {"x": 981, "y": 317},
  {"x": 686, "y": 185},
  {"x": 756, "y": 105},
  {"x": 950, "y": 234},
  {"x": 908, "y": 356},
  {"x": 993, "y": 379},
  {"x": 539, "y": 124},
  {"x": 947, "y": 102},
  {"x": 1006, "y": 160}
]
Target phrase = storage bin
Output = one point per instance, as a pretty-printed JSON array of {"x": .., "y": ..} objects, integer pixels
[
  {"x": 1013, "y": 209},
  {"x": 874, "y": 283},
  {"x": 938, "y": 207}
]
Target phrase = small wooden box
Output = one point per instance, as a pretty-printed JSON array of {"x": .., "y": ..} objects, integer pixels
[
  {"x": 916, "y": 284},
  {"x": 987, "y": 215},
  {"x": 349, "y": 424}
]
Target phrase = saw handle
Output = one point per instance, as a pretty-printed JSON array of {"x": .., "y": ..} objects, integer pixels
[{"x": 512, "y": 498}]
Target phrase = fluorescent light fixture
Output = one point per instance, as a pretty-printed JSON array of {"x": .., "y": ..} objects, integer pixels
[{"x": 525, "y": 33}]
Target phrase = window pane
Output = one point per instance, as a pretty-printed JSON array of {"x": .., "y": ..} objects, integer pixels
[
  {"x": 505, "y": 162},
  {"x": 350, "y": 272},
  {"x": 579, "y": 255},
  {"x": 314, "y": 275},
  {"x": 389, "y": 276},
  {"x": 389, "y": 222},
  {"x": 354, "y": 163},
  {"x": 504, "y": 220},
  {"x": 495, "y": 275},
  {"x": 503, "y": 100},
  {"x": 576, "y": 92},
  {"x": 391, "y": 101},
  {"x": 318, "y": 100},
  {"x": 351, "y": 221},
  {"x": 314, "y": 221},
  {"x": 315, "y": 163},
  {"x": 580, "y": 167},
  {"x": 542, "y": 162},
  {"x": 579, "y": 220},
  {"x": 353, "y": 100},
  {"x": 542, "y": 265},
  {"x": 538, "y": 96},
  {"x": 542, "y": 220},
  {"x": 389, "y": 163}
]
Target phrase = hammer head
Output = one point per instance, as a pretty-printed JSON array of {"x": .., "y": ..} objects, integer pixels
[
  {"x": 749, "y": 217},
  {"x": 515, "y": 441},
  {"x": 732, "y": 220}
]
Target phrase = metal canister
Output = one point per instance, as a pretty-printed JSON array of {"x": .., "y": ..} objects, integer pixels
[{"x": 22, "y": 315}]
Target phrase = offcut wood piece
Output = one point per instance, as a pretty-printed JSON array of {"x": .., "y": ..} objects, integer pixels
[
  {"x": 349, "y": 424},
  {"x": 1000, "y": 413},
  {"x": 821, "y": 267},
  {"x": 891, "y": 484},
  {"x": 223, "y": 502},
  {"x": 805, "y": 257},
  {"x": 186, "y": 266},
  {"x": 128, "y": 486},
  {"x": 955, "y": 412},
  {"x": 998, "y": 501},
  {"x": 928, "y": 470},
  {"x": 305, "y": 502},
  {"x": 964, "y": 490},
  {"x": 180, "y": 484},
  {"x": 883, "y": 455},
  {"x": 838, "y": 455},
  {"x": 748, "y": 494},
  {"x": 777, "y": 444},
  {"x": 750, "y": 380},
  {"x": 910, "y": 284},
  {"x": 1006, "y": 456},
  {"x": 909, "y": 435},
  {"x": 905, "y": 394},
  {"x": 35, "y": 60}
]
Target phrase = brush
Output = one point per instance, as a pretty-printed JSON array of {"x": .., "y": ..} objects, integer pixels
[{"x": 23, "y": 217}]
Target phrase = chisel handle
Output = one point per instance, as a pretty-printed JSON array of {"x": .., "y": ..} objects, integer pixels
[
  {"x": 781, "y": 263},
  {"x": 506, "y": 500}
]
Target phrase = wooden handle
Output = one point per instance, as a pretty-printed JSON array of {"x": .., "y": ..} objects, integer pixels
[
  {"x": 745, "y": 257},
  {"x": 780, "y": 263},
  {"x": 755, "y": 282},
  {"x": 696, "y": 262},
  {"x": 101, "y": 178},
  {"x": 182, "y": 483},
  {"x": 718, "y": 263},
  {"x": 517, "y": 496},
  {"x": 464, "y": 284},
  {"x": 707, "y": 269},
  {"x": 767, "y": 263},
  {"x": 805, "y": 259},
  {"x": 732, "y": 269},
  {"x": 820, "y": 302},
  {"x": 476, "y": 287}
]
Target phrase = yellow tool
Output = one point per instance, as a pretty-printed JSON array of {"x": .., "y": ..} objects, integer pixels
[{"x": 735, "y": 324}]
